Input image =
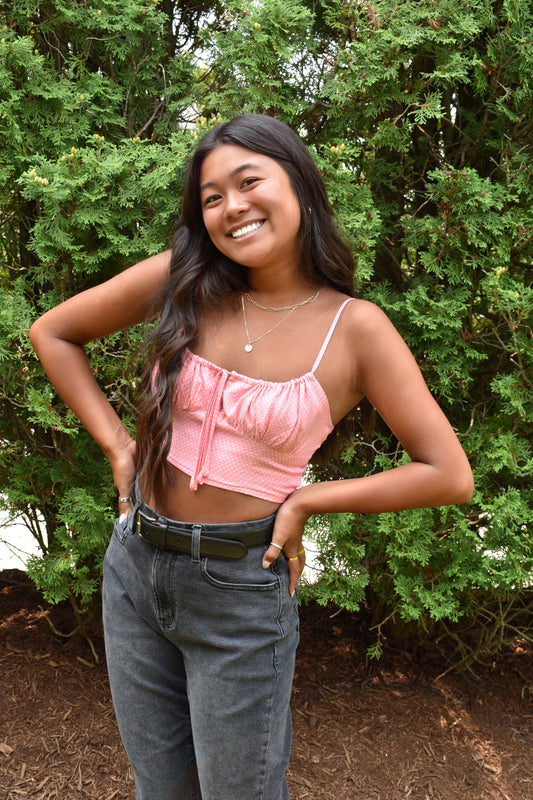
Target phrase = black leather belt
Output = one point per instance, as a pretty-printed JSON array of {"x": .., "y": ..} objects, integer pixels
[{"x": 171, "y": 535}]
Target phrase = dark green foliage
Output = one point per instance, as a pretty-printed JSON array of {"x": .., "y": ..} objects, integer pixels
[
  {"x": 90, "y": 172},
  {"x": 420, "y": 116},
  {"x": 446, "y": 153}
]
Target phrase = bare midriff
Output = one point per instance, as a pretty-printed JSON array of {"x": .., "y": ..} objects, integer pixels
[{"x": 209, "y": 504}]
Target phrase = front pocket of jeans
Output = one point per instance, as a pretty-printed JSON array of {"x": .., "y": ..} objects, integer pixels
[
  {"x": 122, "y": 529},
  {"x": 245, "y": 574}
]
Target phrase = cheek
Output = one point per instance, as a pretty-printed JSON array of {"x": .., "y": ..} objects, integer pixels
[
  {"x": 216, "y": 235},
  {"x": 294, "y": 216},
  {"x": 209, "y": 223},
  {"x": 291, "y": 206}
]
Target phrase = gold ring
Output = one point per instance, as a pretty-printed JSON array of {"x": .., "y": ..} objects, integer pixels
[
  {"x": 301, "y": 552},
  {"x": 273, "y": 544},
  {"x": 124, "y": 499},
  {"x": 294, "y": 558}
]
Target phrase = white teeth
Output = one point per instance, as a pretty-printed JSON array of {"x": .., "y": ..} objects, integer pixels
[{"x": 247, "y": 229}]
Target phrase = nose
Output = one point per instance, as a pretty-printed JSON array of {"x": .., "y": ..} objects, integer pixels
[{"x": 236, "y": 203}]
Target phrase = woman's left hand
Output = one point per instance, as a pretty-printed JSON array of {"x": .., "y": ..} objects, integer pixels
[{"x": 287, "y": 538}]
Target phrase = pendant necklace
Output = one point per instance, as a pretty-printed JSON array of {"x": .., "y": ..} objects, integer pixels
[{"x": 248, "y": 347}]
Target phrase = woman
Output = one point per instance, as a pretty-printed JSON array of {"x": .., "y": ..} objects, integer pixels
[{"x": 259, "y": 351}]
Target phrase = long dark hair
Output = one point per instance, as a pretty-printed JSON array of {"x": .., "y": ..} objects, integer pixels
[{"x": 200, "y": 275}]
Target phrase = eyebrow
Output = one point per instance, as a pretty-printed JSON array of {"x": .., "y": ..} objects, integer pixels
[{"x": 235, "y": 172}]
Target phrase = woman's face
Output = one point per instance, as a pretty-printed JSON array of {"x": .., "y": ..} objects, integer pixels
[{"x": 249, "y": 208}]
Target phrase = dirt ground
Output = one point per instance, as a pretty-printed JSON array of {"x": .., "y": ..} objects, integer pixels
[{"x": 389, "y": 731}]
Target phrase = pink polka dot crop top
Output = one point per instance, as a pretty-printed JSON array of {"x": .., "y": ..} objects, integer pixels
[{"x": 244, "y": 434}]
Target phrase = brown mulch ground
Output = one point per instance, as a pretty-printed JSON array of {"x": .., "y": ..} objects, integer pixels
[{"x": 389, "y": 731}]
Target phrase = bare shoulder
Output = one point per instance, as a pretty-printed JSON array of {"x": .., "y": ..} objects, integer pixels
[
  {"x": 360, "y": 323},
  {"x": 364, "y": 322},
  {"x": 377, "y": 349},
  {"x": 364, "y": 315}
]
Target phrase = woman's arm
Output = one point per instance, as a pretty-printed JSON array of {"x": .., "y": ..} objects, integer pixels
[
  {"x": 439, "y": 472},
  {"x": 59, "y": 336}
]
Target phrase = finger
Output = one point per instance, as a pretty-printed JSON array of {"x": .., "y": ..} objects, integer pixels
[
  {"x": 296, "y": 567},
  {"x": 294, "y": 573},
  {"x": 274, "y": 549}
]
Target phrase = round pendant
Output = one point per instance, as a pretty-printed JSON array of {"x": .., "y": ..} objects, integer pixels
[{"x": 248, "y": 348}]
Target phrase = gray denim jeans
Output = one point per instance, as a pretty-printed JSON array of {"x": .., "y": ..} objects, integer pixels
[{"x": 200, "y": 654}]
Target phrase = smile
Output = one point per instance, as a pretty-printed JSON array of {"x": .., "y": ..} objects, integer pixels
[{"x": 246, "y": 230}]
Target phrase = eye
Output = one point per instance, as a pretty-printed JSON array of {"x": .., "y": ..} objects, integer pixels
[
  {"x": 249, "y": 182},
  {"x": 210, "y": 199}
]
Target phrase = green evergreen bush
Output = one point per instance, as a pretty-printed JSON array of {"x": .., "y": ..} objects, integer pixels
[{"x": 420, "y": 116}]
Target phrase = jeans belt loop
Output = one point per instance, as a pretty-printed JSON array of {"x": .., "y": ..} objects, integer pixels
[{"x": 195, "y": 544}]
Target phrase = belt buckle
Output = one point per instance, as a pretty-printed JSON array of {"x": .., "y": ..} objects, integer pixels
[{"x": 156, "y": 523}]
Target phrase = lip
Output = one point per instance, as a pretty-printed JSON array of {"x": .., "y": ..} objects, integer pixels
[{"x": 245, "y": 230}]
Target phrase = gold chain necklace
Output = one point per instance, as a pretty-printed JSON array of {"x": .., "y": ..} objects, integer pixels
[
  {"x": 282, "y": 308},
  {"x": 248, "y": 347}
]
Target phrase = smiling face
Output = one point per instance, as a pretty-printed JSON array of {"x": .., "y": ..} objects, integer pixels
[{"x": 249, "y": 208}]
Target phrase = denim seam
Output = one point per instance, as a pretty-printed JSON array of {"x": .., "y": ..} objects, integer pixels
[
  {"x": 279, "y": 619},
  {"x": 266, "y": 748},
  {"x": 165, "y": 620}
]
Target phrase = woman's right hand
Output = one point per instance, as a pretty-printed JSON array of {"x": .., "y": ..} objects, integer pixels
[{"x": 124, "y": 466}]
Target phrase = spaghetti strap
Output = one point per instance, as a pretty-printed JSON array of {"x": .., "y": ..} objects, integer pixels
[{"x": 329, "y": 334}]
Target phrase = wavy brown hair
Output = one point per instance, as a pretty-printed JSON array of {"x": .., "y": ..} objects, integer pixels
[{"x": 200, "y": 275}]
